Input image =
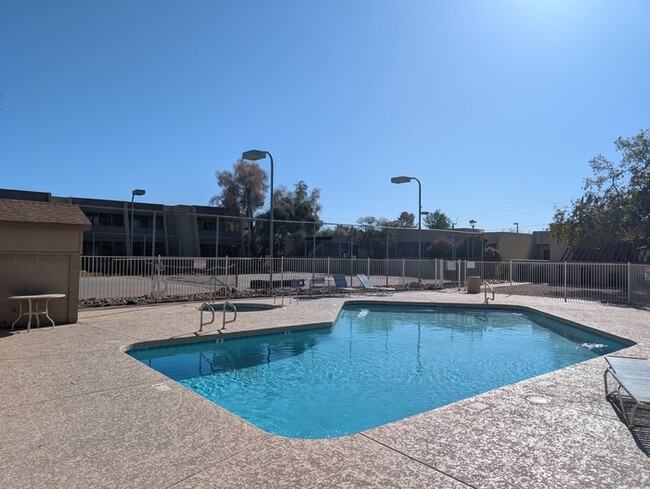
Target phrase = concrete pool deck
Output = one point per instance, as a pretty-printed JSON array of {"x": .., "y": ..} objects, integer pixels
[{"x": 75, "y": 411}]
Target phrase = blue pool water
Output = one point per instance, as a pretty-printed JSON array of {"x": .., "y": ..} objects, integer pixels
[{"x": 377, "y": 364}]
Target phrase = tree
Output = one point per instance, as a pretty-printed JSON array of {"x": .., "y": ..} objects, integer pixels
[
  {"x": 437, "y": 220},
  {"x": 405, "y": 220},
  {"x": 492, "y": 254},
  {"x": 470, "y": 248},
  {"x": 242, "y": 193},
  {"x": 295, "y": 214},
  {"x": 616, "y": 204},
  {"x": 373, "y": 234},
  {"x": 440, "y": 248},
  {"x": 338, "y": 230}
]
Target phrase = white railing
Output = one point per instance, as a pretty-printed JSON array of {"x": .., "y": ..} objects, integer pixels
[{"x": 128, "y": 279}]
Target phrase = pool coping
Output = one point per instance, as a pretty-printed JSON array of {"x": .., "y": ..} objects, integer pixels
[{"x": 65, "y": 425}]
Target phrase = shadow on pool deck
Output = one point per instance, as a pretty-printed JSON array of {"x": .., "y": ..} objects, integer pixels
[{"x": 641, "y": 429}]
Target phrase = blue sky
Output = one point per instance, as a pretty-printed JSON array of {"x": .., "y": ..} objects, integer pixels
[{"x": 496, "y": 106}]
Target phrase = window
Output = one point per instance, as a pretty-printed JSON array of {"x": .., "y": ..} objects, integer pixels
[
  {"x": 141, "y": 222},
  {"x": 207, "y": 249},
  {"x": 207, "y": 225},
  {"x": 93, "y": 217},
  {"x": 105, "y": 220}
]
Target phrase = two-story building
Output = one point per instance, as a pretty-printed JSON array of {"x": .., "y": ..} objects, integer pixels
[{"x": 123, "y": 228}]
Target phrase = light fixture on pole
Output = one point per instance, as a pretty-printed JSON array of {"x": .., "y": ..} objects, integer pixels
[
  {"x": 255, "y": 155},
  {"x": 405, "y": 179},
  {"x": 472, "y": 223},
  {"x": 139, "y": 192}
]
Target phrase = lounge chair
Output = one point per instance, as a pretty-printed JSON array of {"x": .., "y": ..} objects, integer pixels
[
  {"x": 368, "y": 287},
  {"x": 292, "y": 291},
  {"x": 317, "y": 283},
  {"x": 633, "y": 377},
  {"x": 341, "y": 285}
]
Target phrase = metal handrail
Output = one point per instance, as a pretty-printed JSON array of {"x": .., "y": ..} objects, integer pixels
[
  {"x": 215, "y": 282},
  {"x": 488, "y": 286},
  {"x": 203, "y": 307},
  {"x": 206, "y": 306},
  {"x": 234, "y": 309}
]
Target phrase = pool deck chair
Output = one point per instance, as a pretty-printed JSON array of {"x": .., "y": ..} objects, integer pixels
[
  {"x": 368, "y": 287},
  {"x": 292, "y": 291},
  {"x": 342, "y": 285},
  {"x": 633, "y": 377},
  {"x": 317, "y": 283}
]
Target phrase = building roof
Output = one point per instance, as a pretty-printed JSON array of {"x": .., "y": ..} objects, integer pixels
[{"x": 25, "y": 212}]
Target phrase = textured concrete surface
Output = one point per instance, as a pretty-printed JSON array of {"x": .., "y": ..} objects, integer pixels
[{"x": 76, "y": 411}]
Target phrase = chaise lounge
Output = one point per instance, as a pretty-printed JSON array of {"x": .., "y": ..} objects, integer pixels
[
  {"x": 633, "y": 378},
  {"x": 341, "y": 285},
  {"x": 368, "y": 287},
  {"x": 317, "y": 283}
]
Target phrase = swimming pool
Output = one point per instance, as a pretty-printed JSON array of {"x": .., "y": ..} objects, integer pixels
[{"x": 376, "y": 364}]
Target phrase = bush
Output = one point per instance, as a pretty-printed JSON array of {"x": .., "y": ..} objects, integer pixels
[{"x": 492, "y": 254}]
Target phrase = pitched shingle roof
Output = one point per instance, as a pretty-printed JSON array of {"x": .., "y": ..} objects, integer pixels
[{"x": 26, "y": 212}]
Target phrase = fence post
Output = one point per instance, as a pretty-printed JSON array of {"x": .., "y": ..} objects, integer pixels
[
  {"x": 403, "y": 271},
  {"x": 227, "y": 272},
  {"x": 565, "y": 281},
  {"x": 281, "y": 272},
  {"x": 328, "y": 266},
  {"x": 458, "y": 273},
  {"x": 629, "y": 283}
]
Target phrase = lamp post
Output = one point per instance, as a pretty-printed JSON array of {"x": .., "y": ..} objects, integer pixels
[
  {"x": 517, "y": 226},
  {"x": 405, "y": 179},
  {"x": 139, "y": 192},
  {"x": 472, "y": 223},
  {"x": 255, "y": 155}
]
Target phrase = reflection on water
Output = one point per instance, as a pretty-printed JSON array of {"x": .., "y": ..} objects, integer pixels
[{"x": 209, "y": 358}]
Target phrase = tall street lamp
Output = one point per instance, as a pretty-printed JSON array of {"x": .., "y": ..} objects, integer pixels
[
  {"x": 139, "y": 192},
  {"x": 405, "y": 179},
  {"x": 255, "y": 155},
  {"x": 472, "y": 223}
]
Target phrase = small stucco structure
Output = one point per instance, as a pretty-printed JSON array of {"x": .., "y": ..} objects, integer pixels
[{"x": 40, "y": 247}]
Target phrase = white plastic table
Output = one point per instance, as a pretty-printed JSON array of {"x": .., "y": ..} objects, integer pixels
[{"x": 33, "y": 309}]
